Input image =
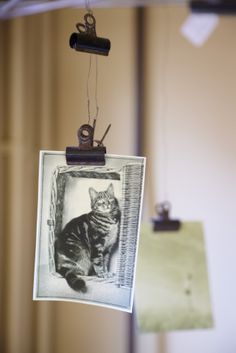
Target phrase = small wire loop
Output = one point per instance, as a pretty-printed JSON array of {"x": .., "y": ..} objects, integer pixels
[
  {"x": 163, "y": 209},
  {"x": 81, "y": 27},
  {"x": 90, "y": 20}
]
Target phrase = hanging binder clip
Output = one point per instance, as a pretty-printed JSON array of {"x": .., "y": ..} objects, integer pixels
[
  {"x": 219, "y": 7},
  {"x": 86, "y": 40},
  {"x": 86, "y": 152},
  {"x": 163, "y": 222}
]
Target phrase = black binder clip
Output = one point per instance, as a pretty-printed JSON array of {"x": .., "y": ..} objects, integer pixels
[
  {"x": 86, "y": 40},
  {"x": 86, "y": 152},
  {"x": 163, "y": 222},
  {"x": 219, "y": 7}
]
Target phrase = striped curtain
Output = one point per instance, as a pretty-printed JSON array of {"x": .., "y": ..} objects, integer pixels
[
  {"x": 42, "y": 103},
  {"x": 26, "y": 52}
]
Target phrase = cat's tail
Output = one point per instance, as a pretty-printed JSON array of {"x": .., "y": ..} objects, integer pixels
[
  {"x": 73, "y": 279},
  {"x": 75, "y": 282}
]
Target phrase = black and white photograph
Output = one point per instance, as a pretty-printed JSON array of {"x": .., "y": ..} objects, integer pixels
[{"x": 88, "y": 230}]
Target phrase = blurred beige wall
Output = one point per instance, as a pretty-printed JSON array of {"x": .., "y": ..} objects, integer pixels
[
  {"x": 43, "y": 103},
  {"x": 190, "y": 143}
]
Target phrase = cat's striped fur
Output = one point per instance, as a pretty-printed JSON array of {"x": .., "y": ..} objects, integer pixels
[{"x": 85, "y": 245}]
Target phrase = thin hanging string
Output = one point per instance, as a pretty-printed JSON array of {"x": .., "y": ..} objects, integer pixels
[
  {"x": 88, "y": 94},
  {"x": 96, "y": 88},
  {"x": 88, "y": 8},
  {"x": 164, "y": 113}
]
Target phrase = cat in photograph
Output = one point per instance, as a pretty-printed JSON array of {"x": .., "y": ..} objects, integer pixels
[{"x": 86, "y": 244}]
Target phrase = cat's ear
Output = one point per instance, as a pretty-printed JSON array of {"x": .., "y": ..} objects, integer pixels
[
  {"x": 110, "y": 190},
  {"x": 93, "y": 194}
]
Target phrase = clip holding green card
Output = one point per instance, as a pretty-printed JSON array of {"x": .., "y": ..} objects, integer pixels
[{"x": 163, "y": 222}]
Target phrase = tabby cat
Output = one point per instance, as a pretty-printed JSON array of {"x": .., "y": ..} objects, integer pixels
[{"x": 86, "y": 244}]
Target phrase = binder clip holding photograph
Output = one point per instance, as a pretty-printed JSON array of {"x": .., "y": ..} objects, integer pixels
[
  {"x": 86, "y": 40},
  {"x": 163, "y": 222},
  {"x": 86, "y": 153}
]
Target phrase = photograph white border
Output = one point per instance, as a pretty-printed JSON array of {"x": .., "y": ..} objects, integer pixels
[{"x": 41, "y": 204}]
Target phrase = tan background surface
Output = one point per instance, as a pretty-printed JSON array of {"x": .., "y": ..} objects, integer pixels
[{"x": 190, "y": 144}]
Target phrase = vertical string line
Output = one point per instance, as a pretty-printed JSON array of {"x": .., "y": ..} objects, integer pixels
[
  {"x": 88, "y": 8},
  {"x": 88, "y": 93},
  {"x": 95, "y": 88},
  {"x": 164, "y": 115}
]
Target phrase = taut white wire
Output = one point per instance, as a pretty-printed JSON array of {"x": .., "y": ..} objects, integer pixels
[
  {"x": 96, "y": 89},
  {"x": 88, "y": 8}
]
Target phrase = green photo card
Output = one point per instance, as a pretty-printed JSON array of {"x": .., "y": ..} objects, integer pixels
[{"x": 172, "y": 289}]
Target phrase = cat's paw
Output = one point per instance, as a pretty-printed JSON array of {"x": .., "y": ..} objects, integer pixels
[
  {"x": 110, "y": 274},
  {"x": 105, "y": 274},
  {"x": 101, "y": 274}
]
